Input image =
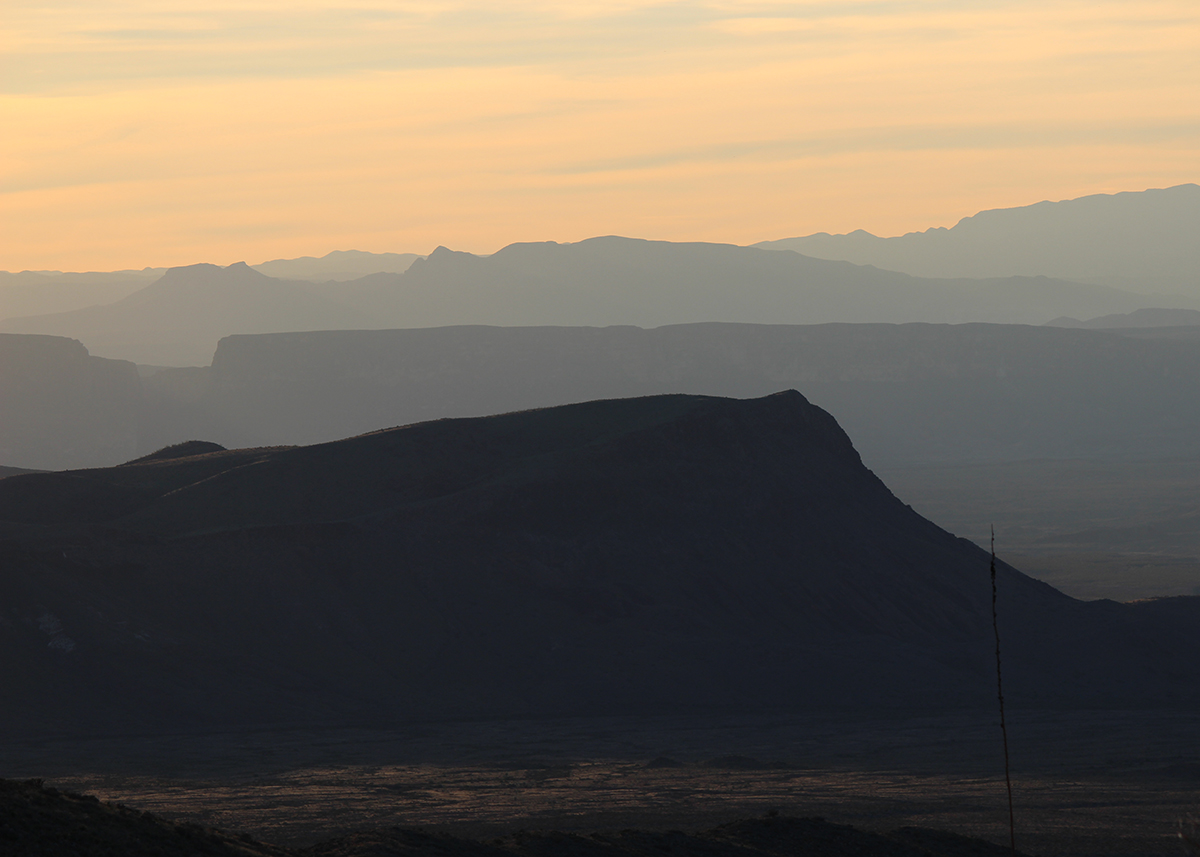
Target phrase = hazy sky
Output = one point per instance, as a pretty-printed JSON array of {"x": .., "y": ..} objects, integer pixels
[{"x": 139, "y": 133}]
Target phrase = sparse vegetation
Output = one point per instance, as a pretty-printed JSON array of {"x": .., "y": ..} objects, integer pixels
[{"x": 43, "y": 821}]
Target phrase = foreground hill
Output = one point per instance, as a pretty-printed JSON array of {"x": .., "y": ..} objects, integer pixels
[
  {"x": 665, "y": 554},
  {"x": 178, "y": 320},
  {"x": 1142, "y": 241},
  {"x": 41, "y": 820},
  {"x": 35, "y": 819}
]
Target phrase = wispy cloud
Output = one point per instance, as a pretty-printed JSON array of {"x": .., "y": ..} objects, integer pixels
[{"x": 136, "y": 128}]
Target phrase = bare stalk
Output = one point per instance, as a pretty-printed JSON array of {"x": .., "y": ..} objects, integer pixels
[{"x": 1012, "y": 827}]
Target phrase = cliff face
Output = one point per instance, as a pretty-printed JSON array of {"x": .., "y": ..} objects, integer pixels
[
  {"x": 904, "y": 393},
  {"x": 61, "y": 407}
]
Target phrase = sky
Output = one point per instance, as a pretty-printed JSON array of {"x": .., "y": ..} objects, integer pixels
[{"x": 169, "y": 133}]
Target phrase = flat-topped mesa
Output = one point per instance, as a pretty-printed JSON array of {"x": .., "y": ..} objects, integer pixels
[
  {"x": 62, "y": 407},
  {"x": 904, "y": 393}
]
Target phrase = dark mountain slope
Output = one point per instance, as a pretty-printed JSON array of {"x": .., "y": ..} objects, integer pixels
[
  {"x": 673, "y": 553},
  {"x": 14, "y": 471},
  {"x": 43, "y": 821}
]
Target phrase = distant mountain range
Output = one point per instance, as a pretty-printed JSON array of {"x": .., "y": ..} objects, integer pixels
[
  {"x": 602, "y": 281},
  {"x": 1144, "y": 242},
  {"x": 1091, "y": 257},
  {"x": 1142, "y": 318},
  {"x": 614, "y": 280},
  {"x": 338, "y": 266},
  {"x": 174, "y": 320},
  {"x": 637, "y": 556},
  {"x": 41, "y": 292}
]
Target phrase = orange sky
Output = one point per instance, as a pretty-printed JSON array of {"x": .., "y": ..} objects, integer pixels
[{"x": 163, "y": 133}]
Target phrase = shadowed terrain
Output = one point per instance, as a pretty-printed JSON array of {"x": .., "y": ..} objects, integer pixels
[
  {"x": 1085, "y": 783},
  {"x": 35, "y": 819},
  {"x": 1075, "y": 444},
  {"x": 1047, "y": 434},
  {"x": 665, "y": 554},
  {"x": 1094, "y": 528},
  {"x": 704, "y": 608}
]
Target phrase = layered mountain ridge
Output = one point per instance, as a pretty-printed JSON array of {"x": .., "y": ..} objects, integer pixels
[
  {"x": 1143, "y": 241},
  {"x": 178, "y": 320},
  {"x": 172, "y": 321},
  {"x": 905, "y": 393}
]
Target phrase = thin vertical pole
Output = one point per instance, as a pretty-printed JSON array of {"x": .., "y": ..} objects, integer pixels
[{"x": 1012, "y": 827}]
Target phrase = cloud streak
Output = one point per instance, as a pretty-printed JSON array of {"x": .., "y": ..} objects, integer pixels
[{"x": 144, "y": 133}]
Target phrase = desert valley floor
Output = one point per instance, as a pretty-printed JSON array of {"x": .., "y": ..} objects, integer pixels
[{"x": 1099, "y": 783}]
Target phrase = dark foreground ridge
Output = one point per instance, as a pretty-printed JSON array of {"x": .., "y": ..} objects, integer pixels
[
  {"x": 185, "y": 449},
  {"x": 683, "y": 554},
  {"x": 38, "y": 820}
]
